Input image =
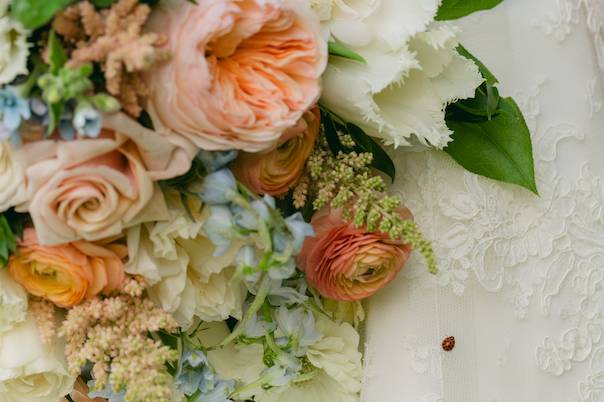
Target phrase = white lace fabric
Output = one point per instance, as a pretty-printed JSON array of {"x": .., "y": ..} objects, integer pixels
[{"x": 521, "y": 282}]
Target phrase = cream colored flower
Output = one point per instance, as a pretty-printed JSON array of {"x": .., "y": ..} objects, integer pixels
[
  {"x": 13, "y": 302},
  {"x": 412, "y": 72},
  {"x": 12, "y": 178},
  {"x": 350, "y": 312},
  {"x": 177, "y": 260},
  {"x": 335, "y": 374},
  {"x": 14, "y": 48},
  {"x": 29, "y": 370}
]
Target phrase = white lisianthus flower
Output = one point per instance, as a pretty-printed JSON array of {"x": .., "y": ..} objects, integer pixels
[
  {"x": 335, "y": 374},
  {"x": 14, "y": 48},
  {"x": 29, "y": 370},
  {"x": 412, "y": 72},
  {"x": 13, "y": 302},
  {"x": 185, "y": 279},
  {"x": 12, "y": 177}
]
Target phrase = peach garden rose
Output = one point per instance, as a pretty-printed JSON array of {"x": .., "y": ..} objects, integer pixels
[
  {"x": 69, "y": 273},
  {"x": 277, "y": 171},
  {"x": 347, "y": 263},
  {"x": 94, "y": 188},
  {"x": 241, "y": 72}
]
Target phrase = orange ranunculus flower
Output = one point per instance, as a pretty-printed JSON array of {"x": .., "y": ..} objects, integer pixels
[
  {"x": 241, "y": 73},
  {"x": 69, "y": 273},
  {"x": 278, "y": 171},
  {"x": 347, "y": 263}
]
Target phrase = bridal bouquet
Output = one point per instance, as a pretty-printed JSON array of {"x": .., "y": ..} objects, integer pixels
[{"x": 195, "y": 193}]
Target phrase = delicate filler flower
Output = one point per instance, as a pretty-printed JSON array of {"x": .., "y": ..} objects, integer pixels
[
  {"x": 412, "y": 69},
  {"x": 68, "y": 273},
  {"x": 94, "y": 188},
  {"x": 347, "y": 263},
  {"x": 14, "y": 48},
  {"x": 113, "y": 37},
  {"x": 277, "y": 171},
  {"x": 242, "y": 71}
]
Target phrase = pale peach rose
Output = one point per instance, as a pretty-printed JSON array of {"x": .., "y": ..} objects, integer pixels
[
  {"x": 80, "y": 393},
  {"x": 277, "y": 171},
  {"x": 68, "y": 273},
  {"x": 241, "y": 71},
  {"x": 345, "y": 263},
  {"x": 94, "y": 188}
]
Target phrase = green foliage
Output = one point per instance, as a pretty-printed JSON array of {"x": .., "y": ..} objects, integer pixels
[
  {"x": 11, "y": 227},
  {"x": 491, "y": 137},
  {"x": 453, "y": 9},
  {"x": 36, "y": 13},
  {"x": 340, "y": 50},
  {"x": 334, "y": 127}
]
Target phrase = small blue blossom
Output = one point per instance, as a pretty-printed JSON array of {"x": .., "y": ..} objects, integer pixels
[
  {"x": 194, "y": 375},
  {"x": 258, "y": 328},
  {"x": 219, "y": 228},
  {"x": 87, "y": 121},
  {"x": 106, "y": 393},
  {"x": 299, "y": 230},
  {"x": 13, "y": 109},
  {"x": 283, "y": 270},
  {"x": 248, "y": 219},
  {"x": 297, "y": 329},
  {"x": 216, "y": 160},
  {"x": 219, "y": 187},
  {"x": 293, "y": 292},
  {"x": 246, "y": 258}
]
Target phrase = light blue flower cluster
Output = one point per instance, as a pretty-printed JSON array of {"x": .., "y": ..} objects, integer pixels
[
  {"x": 106, "y": 393},
  {"x": 13, "y": 110},
  {"x": 198, "y": 381}
]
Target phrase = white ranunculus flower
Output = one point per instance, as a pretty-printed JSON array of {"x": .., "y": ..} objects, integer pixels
[
  {"x": 412, "y": 72},
  {"x": 12, "y": 177},
  {"x": 14, "y": 47},
  {"x": 13, "y": 302},
  {"x": 185, "y": 279},
  {"x": 29, "y": 370}
]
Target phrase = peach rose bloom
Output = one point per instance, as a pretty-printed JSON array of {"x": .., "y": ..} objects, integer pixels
[
  {"x": 241, "y": 72},
  {"x": 94, "y": 188},
  {"x": 277, "y": 171},
  {"x": 345, "y": 263},
  {"x": 69, "y": 273}
]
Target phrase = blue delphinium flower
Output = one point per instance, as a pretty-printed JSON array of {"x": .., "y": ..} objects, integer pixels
[
  {"x": 216, "y": 160},
  {"x": 219, "y": 228},
  {"x": 219, "y": 187},
  {"x": 297, "y": 329},
  {"x": 106, "y": 393},
  {"x": 87, "y": 121},
  {"x": 195, "y": 376},
  {"x": 299, "y": 229},
  {"x": 13, "y": 110}
]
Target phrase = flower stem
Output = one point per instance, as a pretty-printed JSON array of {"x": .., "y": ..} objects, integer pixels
[{"x": 265, "y": 284}]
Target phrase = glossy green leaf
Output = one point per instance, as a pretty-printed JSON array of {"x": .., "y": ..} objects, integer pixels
[
  {"x": 340, "y": 50},
  {"x": 453, "y": 9},
  {"x": 56, "y": 53},
  {"x": 486, "y": 73},
  {"x": 499, "y": 148},
  {"x": 36, "y": 13},
  {"x": 381, "y": 160}
]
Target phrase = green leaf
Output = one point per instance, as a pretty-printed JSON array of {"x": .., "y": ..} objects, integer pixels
[
  {"x": 453, "y": 9},
  {"x": 36, "y": 13},
  {"x": 499, "y": 148},
  {"x": 381, "y": 160},
  {"x": 56, "y": 53},
  {"x": 340, "y": 50},
  {"x": 103, "y": 3},
  {"x": 486, "y": 73},
  {"x": 331, "y": 133},
  {"x": 55, "y": 111},
  {"x": 8, "y": 243}
]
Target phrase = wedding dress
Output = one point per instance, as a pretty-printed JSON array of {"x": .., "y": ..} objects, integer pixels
[{"x": 521, "y": 282}]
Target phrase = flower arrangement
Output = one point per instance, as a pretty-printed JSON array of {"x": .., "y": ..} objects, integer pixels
[{"x": 195, "y": 197}]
